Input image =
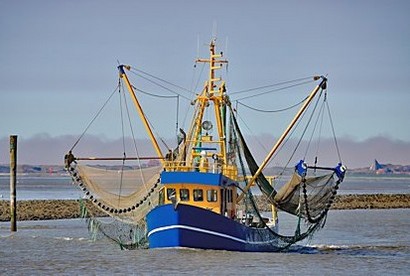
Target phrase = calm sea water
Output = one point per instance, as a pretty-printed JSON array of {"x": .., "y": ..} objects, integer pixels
[
  {"x": 32, "y": 187},
  {"x": 354, "y": 242}
]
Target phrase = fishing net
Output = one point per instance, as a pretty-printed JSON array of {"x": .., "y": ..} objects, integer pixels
[
  {"x": 307, "y": 198},
  {"x": 126, "y": 194}
]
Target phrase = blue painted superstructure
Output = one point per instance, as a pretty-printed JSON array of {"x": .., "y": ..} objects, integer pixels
[{"x": 195, "y": 178}]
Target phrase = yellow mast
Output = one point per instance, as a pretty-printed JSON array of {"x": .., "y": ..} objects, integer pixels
[
  {"x": 214, "y": 93},
  {"x": 282, "y": 138},
  {"x": 140, "y": 111}
]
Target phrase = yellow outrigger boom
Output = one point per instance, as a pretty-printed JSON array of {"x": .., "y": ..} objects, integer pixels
[
  {"x": 140, "y": 111},
  {"x": 282, "y": 138}
]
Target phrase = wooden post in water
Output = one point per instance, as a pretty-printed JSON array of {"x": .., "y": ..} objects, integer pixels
[{"x": 13, "y": 174}]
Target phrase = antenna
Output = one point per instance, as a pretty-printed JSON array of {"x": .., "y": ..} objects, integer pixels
[
  {"x": 197, "y": 46},
  {"x": 226, "y": 47},
  {"x": 225, "y": 54},
  {"x": 214, "y": 30}
]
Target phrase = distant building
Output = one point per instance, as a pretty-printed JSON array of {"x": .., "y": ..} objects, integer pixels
[
  {"x": 380, "y": 168},
  {"x": 376, "y": 166}
]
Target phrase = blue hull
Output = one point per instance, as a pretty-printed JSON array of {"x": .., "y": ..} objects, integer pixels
[{"x": 193, "y": 227}]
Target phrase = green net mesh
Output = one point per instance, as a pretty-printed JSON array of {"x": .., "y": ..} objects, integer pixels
[{"x": 125, "y": 194}]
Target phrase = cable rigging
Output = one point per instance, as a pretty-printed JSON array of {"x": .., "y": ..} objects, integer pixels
[
  {"x": 163, "y": 96},
  {"x": 162, "y": 86},
  {"x": 320, "y": 118},
  {"x": 96, "y": 115},
  {"x": 275, "y": 90},
  {"x": 307, "y": 124},
  {"x": 272, "y": 85},
  {"x": 160, "y": 79},
  {"x": 273, "y": 111},
  {"x": 153, "y": 94},
  {"x": 135, "y": 146},
  {"x": 123, "y": 144},
  {"x": 333, "y": 132}
]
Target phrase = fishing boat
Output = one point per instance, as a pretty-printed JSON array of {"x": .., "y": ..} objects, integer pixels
[{"x": 201, "y": 192}]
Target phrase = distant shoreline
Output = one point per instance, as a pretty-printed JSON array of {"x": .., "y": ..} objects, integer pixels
[
  {"x": 67, "y": 209},
  {"x": 60, "y": 171}
]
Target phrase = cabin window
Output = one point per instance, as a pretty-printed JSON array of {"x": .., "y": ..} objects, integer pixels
[
  {"x": 198, "y": 195},
  {"x": 170, "y": 193},
  {"x": 212, "y": 195},
  {"x": 184, "y": 194}
]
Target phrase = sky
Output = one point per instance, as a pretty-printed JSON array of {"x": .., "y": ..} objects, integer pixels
[{"x": 58, "y": 64}]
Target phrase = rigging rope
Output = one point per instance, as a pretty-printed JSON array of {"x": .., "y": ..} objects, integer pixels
[
  {"x": 307, "y": 125},
  {"x": 275, "y": 90},
  {"x": 123, "y": 145},
  {"x": 193, "y": 93},
  {"x": 177, "y": 118},
  {"x": 319, "y": 118},
  {"x": 291, "y": 134},
  {"x": 273, "y": 111},
  {"x": 199, "y": 78},
  {"x": 96, "y": 115},
  {"x": 280, "y": 147},
  {"x": 157, "y": 78},
  {"x": 250, "y": 130},
  {"x": 136, "y": 149},
  {"x": 272, "y": 90},
  {"x": 157, "y": 135},
  {"x": 152, "y": 94},
  {"x": 122, "y": 120},
  {"x": 163, "y": 96},
  {"x": 162, "y": 86},
  {"x": 271, "y": 85},
  {"x": 334, "y": 133}
]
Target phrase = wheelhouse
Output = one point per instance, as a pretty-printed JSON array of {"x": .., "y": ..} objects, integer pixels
[{"x": 210, "y": 191}]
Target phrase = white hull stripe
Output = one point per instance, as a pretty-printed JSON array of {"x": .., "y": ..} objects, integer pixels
[{"x": 209, "y": 232}]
